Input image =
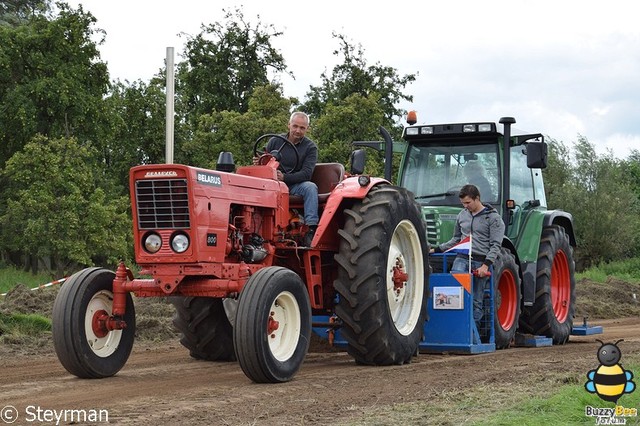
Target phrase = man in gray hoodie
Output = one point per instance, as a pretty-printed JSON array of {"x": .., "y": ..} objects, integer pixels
[{"x": 487, "y": 227}]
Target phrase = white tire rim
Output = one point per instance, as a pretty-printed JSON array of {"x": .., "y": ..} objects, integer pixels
[
  {"x": 107, "y": 345},
  {"x": 405, "y": 302},
  {"x": 284, "y": 339}
]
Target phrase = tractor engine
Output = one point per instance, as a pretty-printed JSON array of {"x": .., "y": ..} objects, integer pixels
[
  {"x": 204, "y": 232},
  {"x": 244, "y": 240}
]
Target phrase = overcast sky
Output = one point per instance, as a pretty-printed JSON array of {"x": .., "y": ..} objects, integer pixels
[{"x": 561, "y": 68}]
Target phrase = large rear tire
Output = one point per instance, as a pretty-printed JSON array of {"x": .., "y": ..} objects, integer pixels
[
  {"x": 383, "y": 272},
  {"x": 84, "y": 348},
  {"x": 506, "y": 298},
  {"x": 205, "y": 328},
  {"x": 552, "y": 312},
  {"x": 273, "y": 325}
]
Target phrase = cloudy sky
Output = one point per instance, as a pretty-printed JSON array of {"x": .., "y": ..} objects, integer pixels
[{"x": 561, "y": 68}]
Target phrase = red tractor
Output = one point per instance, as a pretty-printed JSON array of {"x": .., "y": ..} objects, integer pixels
[{"x": 225, "y": 246}]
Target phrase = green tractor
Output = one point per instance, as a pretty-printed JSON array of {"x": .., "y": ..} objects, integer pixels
[{"x": 534, "y": 282}]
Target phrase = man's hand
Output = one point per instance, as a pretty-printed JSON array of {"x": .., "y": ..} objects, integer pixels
[
  {"x": 280, "y": 175},
  {"x": 482, "y": 271},
  {"x": 256, "y": 161}
]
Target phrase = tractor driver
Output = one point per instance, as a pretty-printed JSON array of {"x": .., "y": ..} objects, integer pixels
[
  {"x": 298, "y": 179},
  {"x": 474, "y": 173}
]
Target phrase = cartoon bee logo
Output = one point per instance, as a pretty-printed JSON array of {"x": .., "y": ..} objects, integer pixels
[{"x": 610, "y": 381}]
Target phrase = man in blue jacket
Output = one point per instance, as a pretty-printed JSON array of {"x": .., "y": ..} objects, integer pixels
[
  {"x": 487, "y": 227},
  {"x": 298, "y": 177}
]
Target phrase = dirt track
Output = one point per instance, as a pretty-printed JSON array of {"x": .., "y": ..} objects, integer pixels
[{"x": 161, "y": 384}]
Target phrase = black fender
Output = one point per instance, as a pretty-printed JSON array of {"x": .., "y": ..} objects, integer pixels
[{"x": 562, "y": 218}]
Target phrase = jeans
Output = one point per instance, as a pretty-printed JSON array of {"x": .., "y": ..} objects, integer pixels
[
  {"x": 461, "y": 264},
  {"x": 309, "y": 193}
]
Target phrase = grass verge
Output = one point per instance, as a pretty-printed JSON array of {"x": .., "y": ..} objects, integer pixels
[
  {"x": 10, "y": 276},
  {"x": 20, "y": 328},
  {"x": 529, "y": 403},
  {"x": 624, "y": 270}
]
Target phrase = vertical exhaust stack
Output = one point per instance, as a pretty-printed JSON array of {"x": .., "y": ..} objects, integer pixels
[
  {"x": 170, "y": 107},
  {"x": 388, "y": 152},
  {"x": 506, "y": 152}
]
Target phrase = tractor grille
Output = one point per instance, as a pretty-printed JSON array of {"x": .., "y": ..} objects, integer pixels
[
  {"x": 432, "y": 228},
  {"x": 162, "y": 204}
]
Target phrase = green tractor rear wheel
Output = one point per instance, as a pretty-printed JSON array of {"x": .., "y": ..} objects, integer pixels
[{"x": 552, "y": 312}]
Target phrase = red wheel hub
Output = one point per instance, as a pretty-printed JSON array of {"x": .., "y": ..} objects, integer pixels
[
  {"x": 272, "y": 324},
  {"x": 399, "y": 277},
  {"x": 99, "y": 323},
  {"x": 102, "y": 323}
]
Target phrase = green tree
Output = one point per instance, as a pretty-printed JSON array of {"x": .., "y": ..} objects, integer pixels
[
  {"x": 51, "y": 79},
  {"x": 58, "y": 212},
  {"x": 558, "y": 176},
  {"x": 356, "y": 118},
  {"x": 594, "y": 190},
  {"x": 237, "y": 132},
  {"x": 224, "y": 64},
  {"x": 135, "y": 134},
  {"x": 632, "y": 167},
  {"x": 355, "y": 76},
  {"x": 17, "y": 12}
]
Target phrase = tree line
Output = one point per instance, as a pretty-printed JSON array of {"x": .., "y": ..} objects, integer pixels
[{"x": 70, "y": 134}]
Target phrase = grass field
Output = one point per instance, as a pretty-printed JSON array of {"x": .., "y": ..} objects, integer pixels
[
  {"x": 10, "y": 276},
  {"x": 527, "y": 404}
]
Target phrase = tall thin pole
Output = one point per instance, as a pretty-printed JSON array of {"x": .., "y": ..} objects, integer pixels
[
  {"x": 470, "y": 249},
  {"x": 170, "y": 106}
]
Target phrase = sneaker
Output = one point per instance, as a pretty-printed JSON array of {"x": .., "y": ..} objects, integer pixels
[{"x": 306, "y": 241}]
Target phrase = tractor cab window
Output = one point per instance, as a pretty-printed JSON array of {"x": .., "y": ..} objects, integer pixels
[
  {"x": 435, "y": 173},
  {"x": 526, "y": 183}
]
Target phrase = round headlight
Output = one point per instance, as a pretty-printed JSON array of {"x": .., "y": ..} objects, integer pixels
[
  {"x": 152, "y": 243},
  {"x": 363, "y": 180},
  {"x": 180, "y": 243}
]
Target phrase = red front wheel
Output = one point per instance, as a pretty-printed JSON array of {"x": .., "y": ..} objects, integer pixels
[{"x": 86, "y": 345}]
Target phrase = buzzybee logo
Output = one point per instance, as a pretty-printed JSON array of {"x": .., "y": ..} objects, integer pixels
[{"x": 610, "y": 381}]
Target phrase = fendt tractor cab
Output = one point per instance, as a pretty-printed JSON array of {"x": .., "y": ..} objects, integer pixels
[{"x": 534, "y": 282}]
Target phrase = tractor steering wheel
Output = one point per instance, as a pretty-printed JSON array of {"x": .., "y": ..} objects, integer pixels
[{"x": 265, "y": 157}]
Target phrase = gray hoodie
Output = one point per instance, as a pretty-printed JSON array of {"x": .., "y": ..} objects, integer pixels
[
  {"x": 488, "y": 230},
  {"x": 307, "y": 158}
]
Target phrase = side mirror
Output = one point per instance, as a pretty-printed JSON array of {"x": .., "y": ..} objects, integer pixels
[
  {"x": 358, "y": 160},
  {"x": 536, "y": 155}
]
